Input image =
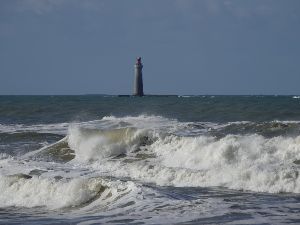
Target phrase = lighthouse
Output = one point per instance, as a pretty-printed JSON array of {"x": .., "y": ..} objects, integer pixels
[{"x": 138, "y": 78}]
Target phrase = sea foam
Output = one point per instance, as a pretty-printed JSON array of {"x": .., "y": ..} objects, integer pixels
[
  {"x": 90, "y": 145},
  {"x": 151, "y": 149},
  {"x": 24, "y": 191},
  {"x": 249, "y": 162},
  {"x": 242, "y": 162}
]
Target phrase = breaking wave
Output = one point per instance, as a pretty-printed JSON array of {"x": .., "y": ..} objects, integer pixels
[
  {"x": 244, "y": 162},
  {"x": 90, "y": 145},
  {"x": 249, "y": 162},
  {"x": 72, "y": 172},
  {"x": 22, "y": 190}
]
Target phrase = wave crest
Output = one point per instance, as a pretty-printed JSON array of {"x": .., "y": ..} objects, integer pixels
[
  {"x": 249, "y": 162},
  {"x": 90, "y": 145},
  {"x": 25, "y": 191}
]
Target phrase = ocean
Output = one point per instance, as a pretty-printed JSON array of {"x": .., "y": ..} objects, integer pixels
[{"x": 102, "y": 159}]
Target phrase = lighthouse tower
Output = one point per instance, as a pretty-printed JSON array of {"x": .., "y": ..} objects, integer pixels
[{"x": 138, "y": 78}]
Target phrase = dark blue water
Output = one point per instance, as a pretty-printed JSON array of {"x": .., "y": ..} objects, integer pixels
[{"x": 51, "y": 109}]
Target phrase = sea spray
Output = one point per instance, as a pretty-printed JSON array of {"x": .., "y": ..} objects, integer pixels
[
  {"x": 164, "y": 156},
  {"x": 249, "y": 162},
  {"x": 49, "y": 192},
  {"x": 92, "y": 144}
]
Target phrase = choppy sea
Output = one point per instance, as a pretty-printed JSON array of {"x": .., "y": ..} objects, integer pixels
[{"x": 100, "y": 159}]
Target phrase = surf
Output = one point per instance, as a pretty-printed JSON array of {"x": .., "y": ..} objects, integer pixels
[{"x": 250, "y": 162}]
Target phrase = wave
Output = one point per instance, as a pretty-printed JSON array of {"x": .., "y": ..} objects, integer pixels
[
  {"x": 105, "y": 122},
  {"x": 28, "y": 137},
  {"x": 143, "y": 122},
  {"x": 52, "y": 128},
  {"x": 167, "y": 152},
  {"x": 22, "y": 190},
  {"x": 167, "y": 125},
  {"x": 249, "y": 162},
  {"x": 266, "y": 129},
  {"x": 57, "y": 128},
  {"x": 244, "y": 162},
  {"x": 4, "y": 156},
  {"x": 56, "y": 152},
  {"x": 94, "y": 144}
]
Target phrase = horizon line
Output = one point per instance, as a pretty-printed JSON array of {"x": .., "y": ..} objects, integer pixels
[{"x": 153, "y": 95}]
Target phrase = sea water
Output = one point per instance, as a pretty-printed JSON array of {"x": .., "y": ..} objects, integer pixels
[{"x": 98, "y": 159}]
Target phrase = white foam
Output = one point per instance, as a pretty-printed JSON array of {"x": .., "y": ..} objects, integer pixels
[
  {"x": 111, "y": 122},
  {"x": 248, "y": 162},
  {"x": 57, "y": 128},
  {"x": 53, "y": 194},
  {"x": 143, "y": 121},
  {"x": 46, "y": 192},
  {"x": 240, "y": 162},
  {"x": 4, "y": 156},
  {"x": 185, "y": 96},
  {"x": 96, "y": 145}
]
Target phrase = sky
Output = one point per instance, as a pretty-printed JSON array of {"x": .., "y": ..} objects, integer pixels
[{"x": 197, "y": 47}]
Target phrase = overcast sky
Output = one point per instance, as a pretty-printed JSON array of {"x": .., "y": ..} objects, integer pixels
[{"x": 187, "y": 46}]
